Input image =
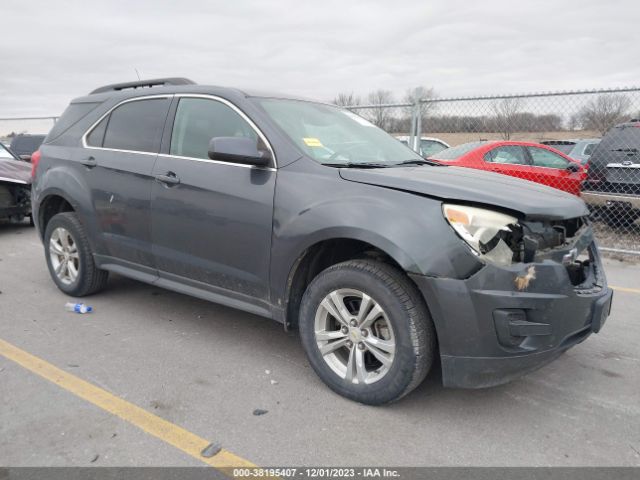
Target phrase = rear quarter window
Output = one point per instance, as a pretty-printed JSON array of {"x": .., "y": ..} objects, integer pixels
[{"x": 72, "y": 115}]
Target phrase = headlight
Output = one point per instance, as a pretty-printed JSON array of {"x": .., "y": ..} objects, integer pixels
[{"x": 484, "y": 230}]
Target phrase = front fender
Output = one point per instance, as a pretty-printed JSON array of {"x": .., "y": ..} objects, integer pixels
[{"x": 312, "y": 207}]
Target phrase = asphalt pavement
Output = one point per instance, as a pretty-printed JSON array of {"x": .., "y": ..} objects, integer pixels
[{"x": 206, "y": 368}]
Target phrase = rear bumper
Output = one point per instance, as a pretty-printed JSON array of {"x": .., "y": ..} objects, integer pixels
[
  {"x": 490, "y": 333},
  {"x": 601, "y": 199}
]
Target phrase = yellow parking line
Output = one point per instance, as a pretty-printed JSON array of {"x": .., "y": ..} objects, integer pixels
[
  {"x": 174, "y": 435},
  {"x": 625, "y": 289}
]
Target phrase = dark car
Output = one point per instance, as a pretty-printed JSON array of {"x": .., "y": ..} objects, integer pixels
[
  {"x": 579, "y": 149},
  {"x": 308, "y": 214},
  {"x": 25, "y": 144},
  {"x": 613, "y": 184},
  {"x": 15, "y": 186}
]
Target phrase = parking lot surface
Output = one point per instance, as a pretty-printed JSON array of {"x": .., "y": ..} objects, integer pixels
[{"x": 205, "y": 368}]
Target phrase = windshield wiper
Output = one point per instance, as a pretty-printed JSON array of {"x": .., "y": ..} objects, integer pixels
[
  {"x": 419, "y": 162},
  {"x": 358, "y": 165}
]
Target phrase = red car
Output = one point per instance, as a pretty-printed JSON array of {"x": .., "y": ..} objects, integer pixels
[{"x": 530, "y": 161}]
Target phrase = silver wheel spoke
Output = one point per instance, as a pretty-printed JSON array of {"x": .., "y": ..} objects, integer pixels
[
  {"x": 384, "y": 345},
  {"x": 72, "y": 270},
  {"x": 338, "y": 301},
  {"x": 328, "y": 335},
  {"x": 55, "y": 248},
  {"x": 383, "y": 358},
  {"x": 365, "y": 306},
  {"x": 335, "y": 306},
  {"x": 59, "y": 268},
  {"x": 332, "y": 346},
  {"x": 373, "y": 315},
  {"x": 355, "y": 366},
  {"x": 64, "y": 240}
]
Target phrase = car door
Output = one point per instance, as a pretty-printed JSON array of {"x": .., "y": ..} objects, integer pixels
[
  {"x": 509, "y": 160},
  {"x": 118, "y": 160},
  {"x": 552, "y": 169},
  {"x": 211, "y": 220}
]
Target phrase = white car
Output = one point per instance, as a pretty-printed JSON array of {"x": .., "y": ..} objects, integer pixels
[{"x": 428, "y": 145}]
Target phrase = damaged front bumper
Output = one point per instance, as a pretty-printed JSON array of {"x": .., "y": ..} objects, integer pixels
[
  {"x": 503, "y": 322},
  {"x": 15, "y": 199}
]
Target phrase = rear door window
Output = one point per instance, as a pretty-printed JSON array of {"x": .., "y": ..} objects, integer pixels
[
  {"x": 546, "y": 158},
  {"x": 508, "y": 154},
  {"x": 136, "y": 126}
]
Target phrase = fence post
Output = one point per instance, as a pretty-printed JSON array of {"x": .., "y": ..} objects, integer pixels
[
  {"x": 418, "y": 109},
  {"x": 415, "y": 133}
]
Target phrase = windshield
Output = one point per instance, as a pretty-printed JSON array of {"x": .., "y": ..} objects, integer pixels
[
  {"x": 4, "y": 153},
  {"x": 330, "y": 135},
  {"x": 563, "y": 147},
  {"x": 431, "y": 147}
]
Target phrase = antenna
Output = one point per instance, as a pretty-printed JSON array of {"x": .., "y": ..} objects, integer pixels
[{"x": 136, "y": 70}]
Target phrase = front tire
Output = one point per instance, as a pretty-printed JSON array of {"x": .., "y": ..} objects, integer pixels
[
  {"x": 69, "y": 257},
  {"x": 366, "y": 331}
]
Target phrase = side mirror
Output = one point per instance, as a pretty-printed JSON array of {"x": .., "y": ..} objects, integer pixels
[
  {"x": 26, "y": 158},
  {"x": 573, "y": 168},
  {"x": 238, "y": 150}
]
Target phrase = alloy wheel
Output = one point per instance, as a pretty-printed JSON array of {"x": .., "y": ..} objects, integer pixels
[
  {"x": 63, "y": 252},
  {"x": 354, "y": 336}
]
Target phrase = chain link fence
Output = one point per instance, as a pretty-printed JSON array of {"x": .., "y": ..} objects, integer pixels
[
  {"x": 583, "y": 142},
  {"x": 586, "y": 143}
]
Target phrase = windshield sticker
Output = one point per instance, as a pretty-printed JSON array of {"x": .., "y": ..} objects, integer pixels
[
  {"x": 312, "y": 142},
  {"x": 358, "y": 118}
]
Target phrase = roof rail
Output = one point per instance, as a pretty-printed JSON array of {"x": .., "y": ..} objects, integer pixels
[{"x": 156, "y": 82}]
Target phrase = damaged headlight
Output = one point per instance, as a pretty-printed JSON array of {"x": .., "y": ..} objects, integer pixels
[{"x": 484, "y": 230}]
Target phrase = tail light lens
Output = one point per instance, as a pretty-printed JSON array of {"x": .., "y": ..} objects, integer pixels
[{"x": 35, "y": 159}]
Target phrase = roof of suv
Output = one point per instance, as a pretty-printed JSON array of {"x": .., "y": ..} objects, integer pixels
[{"x": 170, "y": 86}]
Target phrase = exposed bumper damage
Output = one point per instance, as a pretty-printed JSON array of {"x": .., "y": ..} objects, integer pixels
[
  {"x": 503, "y": 322},
  {"x": 15, "y": 189}
]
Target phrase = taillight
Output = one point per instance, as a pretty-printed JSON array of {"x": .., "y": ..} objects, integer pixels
[{"x": 35, "y": 158}]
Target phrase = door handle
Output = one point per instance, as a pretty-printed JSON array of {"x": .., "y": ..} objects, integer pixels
[
  {"x": 89, "y": 162},
  {"x": 169, "y": 178}
]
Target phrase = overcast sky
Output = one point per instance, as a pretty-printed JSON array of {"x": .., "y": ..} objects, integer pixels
[{"x": 52, "y": 51}]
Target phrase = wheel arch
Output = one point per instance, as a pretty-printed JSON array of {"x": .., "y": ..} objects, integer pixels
[
  {"x": 328, "y": 251},
  {"x": 52, "y": 203}
]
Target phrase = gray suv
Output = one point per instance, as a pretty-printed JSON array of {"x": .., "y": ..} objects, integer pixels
[{"x": 307, "y": 214}]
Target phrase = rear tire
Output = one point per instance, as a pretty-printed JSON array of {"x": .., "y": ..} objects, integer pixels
[
  {"x": 379, "y": 343},
  {"x": 69, "y": 257}
]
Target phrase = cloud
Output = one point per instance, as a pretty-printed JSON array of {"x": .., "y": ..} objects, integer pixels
[{"x": 54, "y": 51}]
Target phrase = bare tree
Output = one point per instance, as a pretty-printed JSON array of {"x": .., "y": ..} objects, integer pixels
[
  {"x": 420, "y": 93},
  {"x": 506, "y": 111},
  {"x": 347, "y": 100},
  {"x": 604, "y": 112},
  {"x": 381, "y": 116}
]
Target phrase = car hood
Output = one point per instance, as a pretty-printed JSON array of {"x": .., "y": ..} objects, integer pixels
[
  {"x": 476, "y": 186},
  {"x": 15, "y": 171}
]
